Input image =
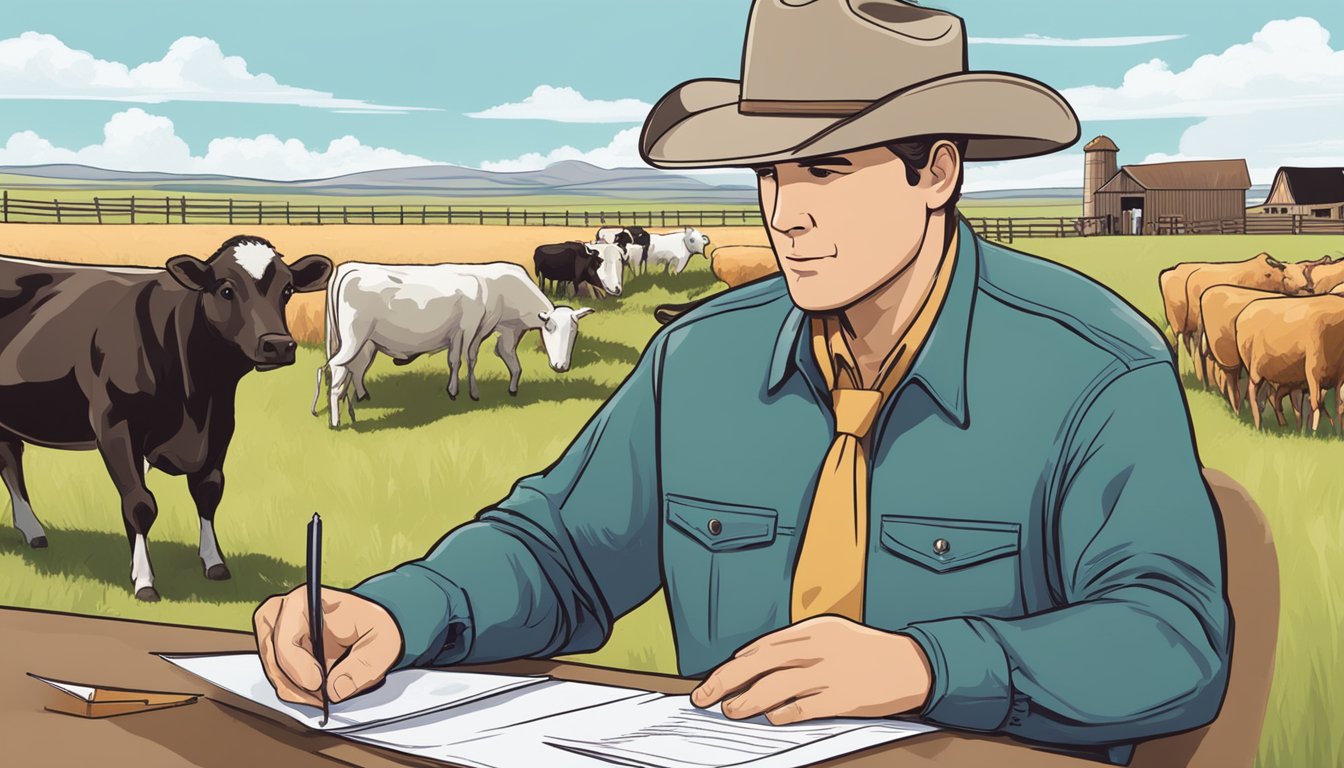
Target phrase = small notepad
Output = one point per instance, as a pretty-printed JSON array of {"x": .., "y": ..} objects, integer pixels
[{"x": 103, "y": 701}]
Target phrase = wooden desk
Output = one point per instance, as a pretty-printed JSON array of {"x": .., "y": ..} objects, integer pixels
[{"x": 115, "y": 652}]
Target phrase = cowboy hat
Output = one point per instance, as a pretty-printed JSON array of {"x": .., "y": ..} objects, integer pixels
[{"x": 826, "y": 76}]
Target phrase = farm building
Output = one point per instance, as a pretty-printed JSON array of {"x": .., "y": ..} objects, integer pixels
[
  {"x": 1160, "y": 197},
  {"x": 1314, "y": 192}
]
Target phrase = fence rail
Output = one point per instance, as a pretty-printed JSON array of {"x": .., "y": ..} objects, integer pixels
[{"x": 139, "y": 209}]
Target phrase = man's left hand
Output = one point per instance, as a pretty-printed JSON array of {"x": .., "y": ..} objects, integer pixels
[{"x": 822, "y": 667}]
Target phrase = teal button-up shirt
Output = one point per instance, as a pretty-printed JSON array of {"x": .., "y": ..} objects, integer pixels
[{"x": 1042, "y": 434}]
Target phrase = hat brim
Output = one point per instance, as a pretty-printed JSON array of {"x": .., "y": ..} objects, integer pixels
[{"x": 1003, "y": 117}]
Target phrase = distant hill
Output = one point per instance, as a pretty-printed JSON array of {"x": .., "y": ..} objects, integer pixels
[{"x": 566, "y": 178}]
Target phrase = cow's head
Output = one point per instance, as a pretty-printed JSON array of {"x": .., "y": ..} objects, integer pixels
[
  {"x": 243, "y": 289},
  {"x": 1298, "y": 277},
  {"x": 623, "y": 239},
  {"x": 608, "y": 267},
  {"x": 695, "y": 242},
  {"x": 559, "y": 329}
]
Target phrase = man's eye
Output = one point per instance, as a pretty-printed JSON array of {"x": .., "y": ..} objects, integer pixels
[
  {"x": 765, "y": 173},
  {"x": 820, "y": 173}
]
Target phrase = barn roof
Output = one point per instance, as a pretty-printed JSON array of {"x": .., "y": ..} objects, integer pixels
[
  {"x": 1190, "y": 174},
  {"x": 1100, "y": 144},
  {"x": 1314, "y": 186}
]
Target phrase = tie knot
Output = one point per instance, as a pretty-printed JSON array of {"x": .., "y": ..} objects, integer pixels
[{"x": 855, "y": 410}]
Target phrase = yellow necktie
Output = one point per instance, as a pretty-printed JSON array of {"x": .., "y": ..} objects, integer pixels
[{"x": 829, "y": 574}]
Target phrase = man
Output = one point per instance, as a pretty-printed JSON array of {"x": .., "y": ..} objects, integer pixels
[{"x": 915, "y": 474}]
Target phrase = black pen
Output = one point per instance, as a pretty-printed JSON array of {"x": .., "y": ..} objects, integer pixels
[{"x": 315, "y": 605}]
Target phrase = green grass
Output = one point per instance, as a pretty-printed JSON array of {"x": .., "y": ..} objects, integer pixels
[{"x": 417, "y": 464}]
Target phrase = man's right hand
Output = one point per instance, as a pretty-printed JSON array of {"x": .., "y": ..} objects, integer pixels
[{"x": 350, "y": 623}]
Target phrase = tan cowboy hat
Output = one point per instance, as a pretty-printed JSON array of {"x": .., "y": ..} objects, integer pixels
[{"x": 827, "y": 76}]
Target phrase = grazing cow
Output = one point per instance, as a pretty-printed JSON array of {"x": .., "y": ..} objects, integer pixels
[
  {"x": 610, "y": 267},
  {"x": 141, "y": 365},
  {"x": 1293, "y": 344},
  {"x": 571, "y": 262},
  {"x": 1262, "y": 272},
  {"x": 1180, "y": 320},
  {"x": 738, "y": 264},
  {"x": 634, "y": 242},
  {"x": 1219, "y": 307},
  {"x": 405, "y": 311},
  {"x": 673, "y": 251}
]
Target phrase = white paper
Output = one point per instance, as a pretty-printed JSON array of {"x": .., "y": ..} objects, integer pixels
[
  {"x": 403, "y": 694},
  {"x": 81, "y": 691},
  {"x": 670, "y": 732},
  {"x": 503, "y": 711}
]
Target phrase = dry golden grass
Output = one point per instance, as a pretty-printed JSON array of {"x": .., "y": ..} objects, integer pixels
[{"x": 154, "y": 244}]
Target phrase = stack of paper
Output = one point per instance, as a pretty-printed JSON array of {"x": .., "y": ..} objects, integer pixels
[{"x": 506, "y": 721}]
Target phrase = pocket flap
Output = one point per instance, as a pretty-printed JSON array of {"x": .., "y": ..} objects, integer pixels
[
  {"x": 945, "y": 545},
  {"x": 720, "y": 526}
]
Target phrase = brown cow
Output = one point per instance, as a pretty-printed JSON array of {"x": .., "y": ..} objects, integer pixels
[
  {"x": 1263, "y": 272},
  {"x": 1294, "y": 343},
  {"x": 1218, "y": 309},
  {"x": 1325, "y": 274},
  {"x": 738, "y": 264},
  {"x": 1171, "y": 281}
]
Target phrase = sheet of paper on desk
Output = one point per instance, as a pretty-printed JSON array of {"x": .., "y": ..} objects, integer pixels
[
  {"x": 670, "y": 732},
  {"x": 405, "y": 693}
]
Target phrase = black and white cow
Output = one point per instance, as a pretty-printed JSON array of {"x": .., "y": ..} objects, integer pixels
[
  {"x": 141, "y": 365},
  {"x": 597, "y": 264}
]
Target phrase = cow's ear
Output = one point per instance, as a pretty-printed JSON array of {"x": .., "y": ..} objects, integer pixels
[
  {"x": 191, "y": 272},
  {"x": 545, "y": 316},
  {"x": 1273, "y": 262},
  {"x": 578, "y": 313},
  {"x": 311, "y": 273}
]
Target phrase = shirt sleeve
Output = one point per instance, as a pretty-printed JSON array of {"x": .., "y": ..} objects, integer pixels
[
  {"x": 1139, "y": 643},
  {"x": 548, "y": 569}
]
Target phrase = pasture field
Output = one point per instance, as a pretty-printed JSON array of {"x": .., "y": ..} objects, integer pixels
[{"x": 416, "y": 463}]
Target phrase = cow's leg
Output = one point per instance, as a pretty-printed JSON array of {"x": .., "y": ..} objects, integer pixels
[
  {"x": 473, "y": 352},
  {"x": 1295, "y": 397},
  {"x": 1276, "y": 404},
  {"x": 1315, "y": 399},
  {"x": 1232, "y": 386},
  {"x": 507, "y": 349},
  {"x": 1253, "y": 394},
  {"x": 11, "y": 471},
  {"x": 454, "y": 362},
  {"x": 317, "y": 396},
  {"x": 207, "y": 488},
  {"x": 359, "y": 368},
  {"x": 121, "y": 456}
]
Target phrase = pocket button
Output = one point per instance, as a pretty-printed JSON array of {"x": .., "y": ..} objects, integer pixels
[
  {"x": 941, "y": 546},
  {"x": 714, "y": 527}
]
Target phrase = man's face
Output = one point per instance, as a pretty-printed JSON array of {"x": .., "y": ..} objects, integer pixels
[{"x": 844, "y": 225}]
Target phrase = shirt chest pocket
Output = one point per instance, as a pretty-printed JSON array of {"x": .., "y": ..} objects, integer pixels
[
  {"x": 930, "y": 568},
  {"x": 723, "y": 568}
]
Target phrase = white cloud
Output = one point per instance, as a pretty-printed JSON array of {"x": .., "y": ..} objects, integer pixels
[
  {"x": 1299, "y": 136},
  {"x": 136, "y": 140},
  {"x": 40, "y": 66},
  {"x": 1078, "y": 42},
  {"x": 1288, "y": 63},
  {"x": 566, "y": 105},
  {"x": 621, "y": 152}
]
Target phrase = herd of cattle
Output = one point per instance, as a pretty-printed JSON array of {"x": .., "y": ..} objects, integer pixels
[
  {"x": 142, "y": 364},
  {"x": 1280, "y": 326}
]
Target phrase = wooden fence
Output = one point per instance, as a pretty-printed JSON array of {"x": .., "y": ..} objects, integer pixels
[
  {"x": 1251, "y": 225},
  {"x": 1008, "y": 229},
  {"x": 139, "y": 209}
]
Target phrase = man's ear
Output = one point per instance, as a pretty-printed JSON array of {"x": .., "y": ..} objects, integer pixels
[
  {"x": 191, "y": 272},
  {"x": 944, "y": 171},
  {"x": 311, "y": 273}
]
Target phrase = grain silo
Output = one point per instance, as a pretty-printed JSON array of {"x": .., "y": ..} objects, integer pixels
[{"x": 1099, "y": 165}]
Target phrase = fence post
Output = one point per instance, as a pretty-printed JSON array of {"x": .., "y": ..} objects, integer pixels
[
  {"x": 345, "y": 214},
  {"x": 132, "y": 209},
  {"x": 508, "y": 217},
  {"x": 5, "y": 205},
  {"x": 481, "y": 214},
  {"x": 286, "y": 211},
  {"x": 401, "y": 209},
  {"x": 97, "y": 209},
  {"x": 58, "y": 210},
  {"x": 182, "y": 208}
]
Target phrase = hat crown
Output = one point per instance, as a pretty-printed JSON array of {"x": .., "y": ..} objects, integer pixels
[{"x": 845, "y": 52}]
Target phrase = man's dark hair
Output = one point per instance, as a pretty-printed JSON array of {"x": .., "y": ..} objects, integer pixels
[{"x": 915, "y": 153}]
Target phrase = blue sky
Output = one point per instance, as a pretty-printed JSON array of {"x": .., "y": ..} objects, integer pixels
[{"x": 404, "y": 76}]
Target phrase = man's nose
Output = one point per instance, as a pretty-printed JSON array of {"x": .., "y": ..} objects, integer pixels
[{"x": 790, "y": 217}]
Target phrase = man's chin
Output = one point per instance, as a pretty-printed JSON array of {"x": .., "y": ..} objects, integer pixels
[{"x": 803, "y": 290}]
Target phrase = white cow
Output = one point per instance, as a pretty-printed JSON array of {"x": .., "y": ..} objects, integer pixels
[
  {"x": 611, "y": 272},
  {"x": 405, "y": 311},
  {"x": 674, "y": 250}
]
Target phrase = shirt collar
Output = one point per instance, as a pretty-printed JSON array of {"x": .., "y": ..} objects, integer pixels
[{"x": 940, "y": 366}]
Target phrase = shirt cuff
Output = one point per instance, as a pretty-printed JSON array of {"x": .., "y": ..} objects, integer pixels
[
  {"x": 431, "y": 612},
  {"x": 971, "y": 685}
]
